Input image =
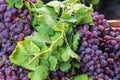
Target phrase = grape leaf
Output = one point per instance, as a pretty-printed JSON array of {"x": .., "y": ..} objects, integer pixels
[
  {"x": 75, "y": 41},
  {"x": 68, "y": 18},
  {"x": 38, "y": 39},
  {"x": 56, "y": 5},
  {"x": 34, "y": 20},
  {"x": 64, "y": 66},
  {"x": 87, "y": 19},
  {"x": 44, "y": 62},
  {"x": 49, "y": 16},
  {"x": 24, "y": 52},
  {"x": 90, "y": 78},
  {"x": 60, "y": 42},
  {"x": 44, "y": 29},
  {"x": 94, "y": 2},
  {"x": 41, "y": 73},
  {"x": 69, "y": 53},
  {"x": 53, "y": 63},
  {"x": 81, "y": 77},
  {"x": 15, "y": 3},
  {"x": 30, "y": 74}
]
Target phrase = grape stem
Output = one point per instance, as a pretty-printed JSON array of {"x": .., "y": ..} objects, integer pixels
[{"x": 50, "y": 49}]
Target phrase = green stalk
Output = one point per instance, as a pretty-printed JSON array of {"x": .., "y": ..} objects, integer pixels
[{"x": 49, "y": 49}]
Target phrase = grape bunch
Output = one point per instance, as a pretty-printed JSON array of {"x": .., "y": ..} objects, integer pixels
[
  {"x": 59, "y": 75},
  {"x": 99, "y": 49},
  {"x": 14, "y": 27}
]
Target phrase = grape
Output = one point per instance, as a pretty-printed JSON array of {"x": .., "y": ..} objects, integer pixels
[
  {"x": 91, "y": 68},
  {"x": 100, "y": 27},
  {"x": 99, "y": 49},
  {"x": 110, "y": 60},
  {"x": 98, "y": 52},
  {"x": 85, "y": 44},
  {"x": 2, "y": 8},
  {"x": 88, "y": 50},
  {"x": 13, "y": 28}
]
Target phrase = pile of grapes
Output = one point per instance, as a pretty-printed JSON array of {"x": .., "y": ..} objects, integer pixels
[
  {"x": 99, "y": 49},
  {"x": 14, "y": 26},
  {"x": 99, "y": 46}
]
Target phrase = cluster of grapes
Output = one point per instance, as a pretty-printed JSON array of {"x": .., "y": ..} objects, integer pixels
[
  {"x": 99, "y": 49},
  {"x": 59, "y": 75},
  {"x": 14, "y": 26}
]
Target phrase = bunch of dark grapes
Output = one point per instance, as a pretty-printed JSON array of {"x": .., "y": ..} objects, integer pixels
[
  {"x": 99, "y": 49},
  {"x": 14, "y": 27},
  {"x": 59, "y": 75}
]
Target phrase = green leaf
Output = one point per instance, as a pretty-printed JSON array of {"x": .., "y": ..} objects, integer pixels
[
  {"x": 25, "y": 51},
  {"x": 34, "y": 20},
  {"x": 70, "y": 35},
  {"x": 49, "y": 15},
  {"x": 39, "y": 40},
  {"x": 15, "y": 3},
  {"x": 94, "y": 2},
  {"x": 44, "y": 62},
  {"x": 68, "y": 18},
  {"x": 53, "y": 63},
  {"x": 30, "y": 74},
  {"x": 87, "y": 19},
  {"x": 73, "y": 72},
  {"x": 75, "y": 41},
  {"x": 28, "y": 6},
  {"x": 90, "y": 78},
  {"x": 76, "y": 64},
  {"x": 59, "y": 42},
  {"x": 44, "y": 29},
  {"x": 69, "y": 53},
  {"x": 81, "y": 77},
  {"x": 64, "y": 66},
  {"x": 72, "y": 1},
  {"x": 41, "y": 73},
  {"x": 56, "y": 5}
]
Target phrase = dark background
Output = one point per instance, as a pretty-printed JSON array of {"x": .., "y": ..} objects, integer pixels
[{"x": 110, "y": 8}]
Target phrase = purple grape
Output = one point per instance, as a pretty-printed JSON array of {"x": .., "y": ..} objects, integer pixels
[
  {"x": 2, "y": 8},
  {"x": 12, "y": 30},
  {"x": 110, "y": 60},
  {"x": 100, "y": 50},
  {"x": 85, "y": 44}
]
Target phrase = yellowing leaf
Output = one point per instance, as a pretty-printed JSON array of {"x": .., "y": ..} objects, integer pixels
[{"x": 25, "y": 51}]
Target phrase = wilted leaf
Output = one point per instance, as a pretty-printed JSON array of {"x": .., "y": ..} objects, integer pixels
[{"x": 25, "y": 51}]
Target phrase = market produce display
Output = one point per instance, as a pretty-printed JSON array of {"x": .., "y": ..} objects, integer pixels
[{"x": 59, "y": 40}]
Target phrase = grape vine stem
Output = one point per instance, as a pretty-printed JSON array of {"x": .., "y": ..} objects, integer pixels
[{"x": 49, "y": 49}]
